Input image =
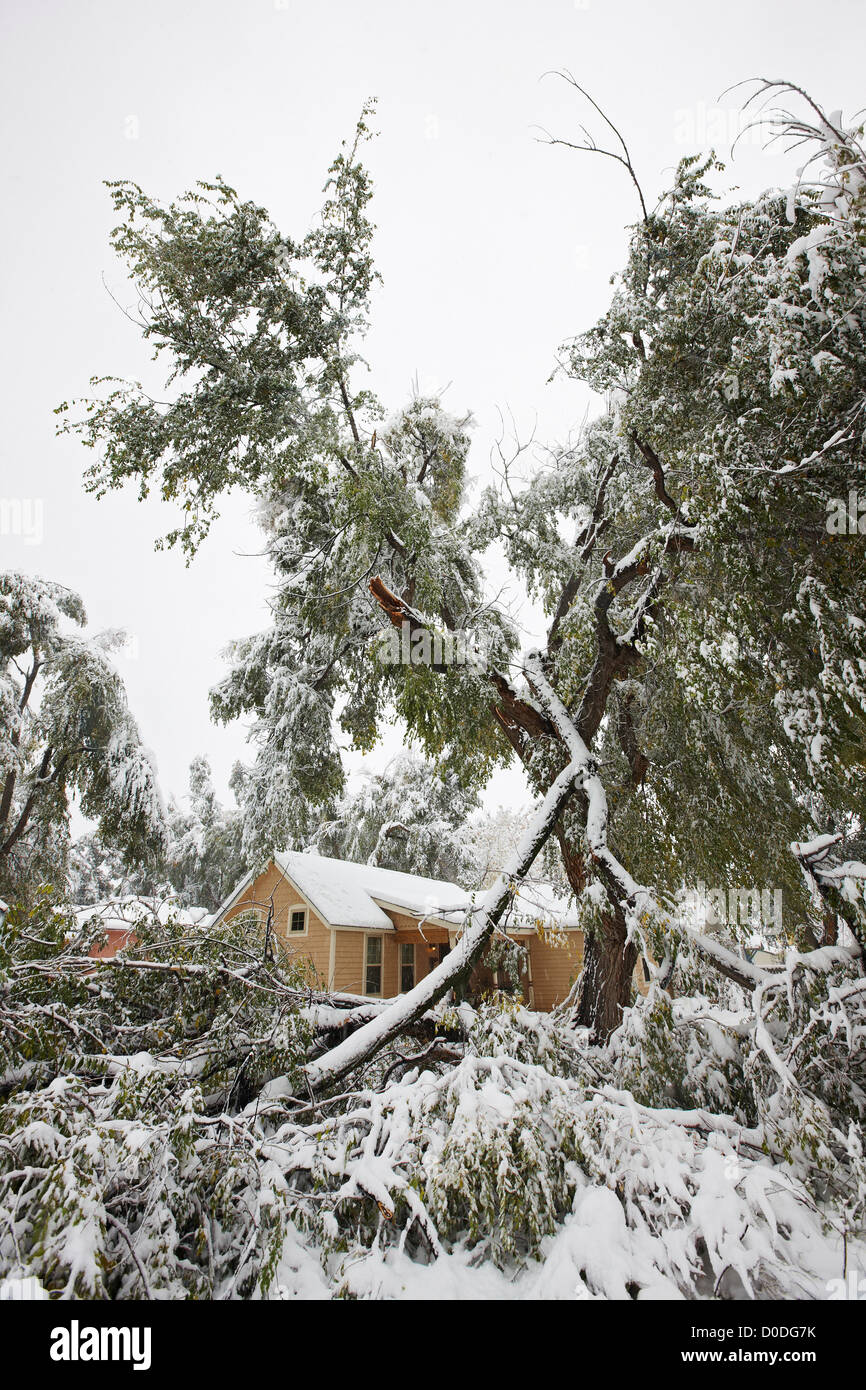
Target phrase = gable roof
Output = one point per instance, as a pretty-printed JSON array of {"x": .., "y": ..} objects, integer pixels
[{"x": 345, "y": 894}]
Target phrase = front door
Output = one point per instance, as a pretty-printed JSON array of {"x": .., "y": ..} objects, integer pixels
[{"x": 438, "y": 954}]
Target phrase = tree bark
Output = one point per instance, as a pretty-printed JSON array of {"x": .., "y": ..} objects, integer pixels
[{"x": 604, "y": 989}]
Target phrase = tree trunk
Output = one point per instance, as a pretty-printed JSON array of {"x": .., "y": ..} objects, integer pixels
[{"x": 604, "y": 988}]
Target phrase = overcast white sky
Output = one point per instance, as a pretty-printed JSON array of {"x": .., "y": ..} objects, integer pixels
[{"x": 493, "y": 247}]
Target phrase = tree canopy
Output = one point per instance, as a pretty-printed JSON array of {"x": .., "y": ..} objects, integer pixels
[
  {"x": 67, "y": 731},
  {"x": 704, "y": 635}
]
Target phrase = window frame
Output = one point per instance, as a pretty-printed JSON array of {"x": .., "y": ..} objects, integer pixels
[
  {"x": 403, "y": 965},
  {"x": 374, "y": 965},
  {"x": 293, "y": 908}
]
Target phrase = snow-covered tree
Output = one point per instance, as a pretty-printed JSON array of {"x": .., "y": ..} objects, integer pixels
[
  {"x": 96, "y": 872},
  {"x": 204, "y": 858},
  {"x": 182, "y": 1120},
  {"x": 406, "y": 818},
  {"x": 201, "y": 858},
  {"x": 66, "y": 731},
  {"x": 263, "y": 338},
  {"x": 661, "y": 543}
]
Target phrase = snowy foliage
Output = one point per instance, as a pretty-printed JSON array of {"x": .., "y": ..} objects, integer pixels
[
  {"x": 733, "y": 355},
  {"x": 406, "y": 818},
  {"x": 158, "y": 1144},
  {"x": 698, "y": 711},
  {"x": 204, "y": 857},
  {"x": 68, "y": 731},
  {"x": 201, "y": 857},
  {"x": 267, "y": 331},
  {"x": 96, "y": 872}
]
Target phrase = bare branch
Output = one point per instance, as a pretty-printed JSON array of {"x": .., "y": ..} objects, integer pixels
[{"x": 589, "y": 145}]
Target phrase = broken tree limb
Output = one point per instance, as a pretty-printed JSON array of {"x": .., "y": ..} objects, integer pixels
[
  {"x": 511, "y": 708},
  {"x": 548, "y": 715},
  {"x": 827, "y": 884},
  {"x": 478, "y": 927},
  {"x": 634, "y": 899},
  {"x": 632, "y": 894}
]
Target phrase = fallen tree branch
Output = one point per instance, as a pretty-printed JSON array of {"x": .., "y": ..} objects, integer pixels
[
  {"x": 433, "y": 1053},
  {"x": 478, "y": 927}
]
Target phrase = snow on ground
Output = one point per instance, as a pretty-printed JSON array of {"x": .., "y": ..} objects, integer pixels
[{"x": 592, "y": 1241}]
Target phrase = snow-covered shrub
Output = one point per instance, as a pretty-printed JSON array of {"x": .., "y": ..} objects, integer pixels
[
  {"x": 566, "y": 1185},
  {"x": 122, "y": 1172},
  {"x": 785, "y": 1059}
]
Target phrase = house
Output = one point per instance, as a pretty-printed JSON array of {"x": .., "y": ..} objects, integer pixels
[
  {"x": 376, "y": 932},
  {"x": 117, "y": 918}
]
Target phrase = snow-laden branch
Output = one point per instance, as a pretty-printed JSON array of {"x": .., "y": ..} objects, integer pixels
[
  {"x": 478, "y": 926},
  {"x": 580, "y": 774},
  {"x": 591, "y": 783},
  {"x": 834, "y": 886},
  {"x": 636, "y": 900}
]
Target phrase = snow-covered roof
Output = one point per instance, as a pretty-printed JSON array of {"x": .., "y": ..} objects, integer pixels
[
  {"x": 122, "y": 914},
  {"x": 350, "y": 895},
  {"x": 346, "y": 894}
]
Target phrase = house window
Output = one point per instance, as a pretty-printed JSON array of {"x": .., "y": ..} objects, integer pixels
[
  {"x": 373, "y": 965},
  {"x": 407, "y": 967},
  {"x": 298, "y": 919}
]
